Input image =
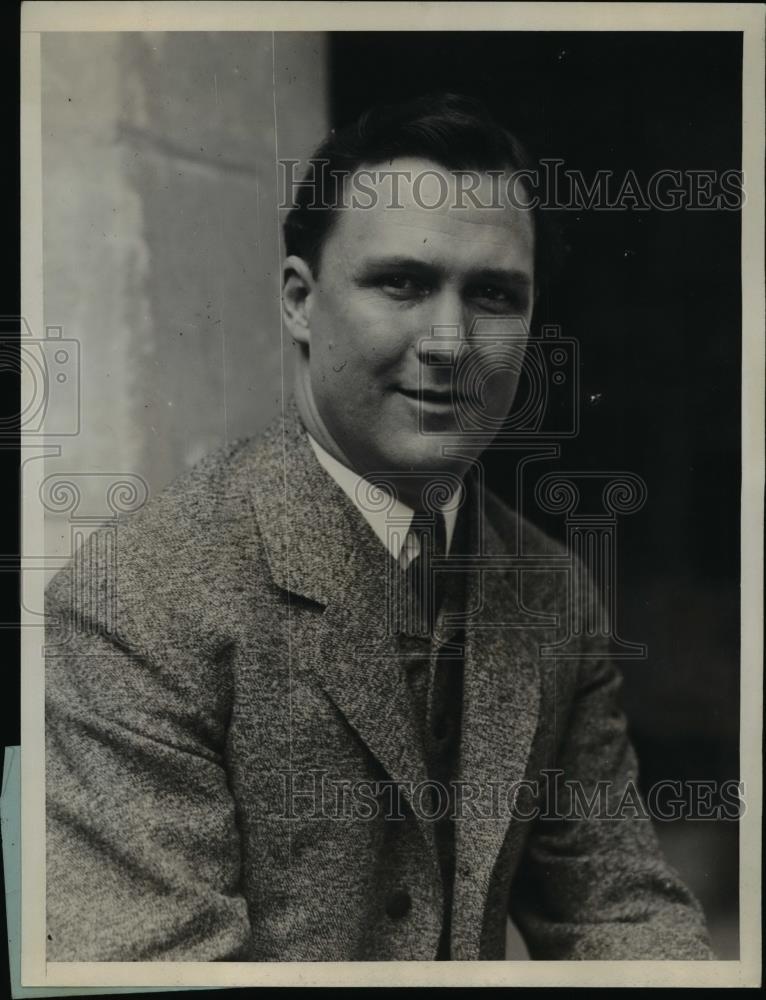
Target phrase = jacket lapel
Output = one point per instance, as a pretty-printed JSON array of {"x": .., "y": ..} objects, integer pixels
[{"x": 321, "y": 549}]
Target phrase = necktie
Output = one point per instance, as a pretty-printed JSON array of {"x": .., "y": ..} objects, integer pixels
[{"x": 422, "y": 583}]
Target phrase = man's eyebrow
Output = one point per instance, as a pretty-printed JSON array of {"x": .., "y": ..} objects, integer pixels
[
  {"x": 500, "y": 274},
  {"x": 381, "y": 263},
  {"x": 513, "y": 275}
]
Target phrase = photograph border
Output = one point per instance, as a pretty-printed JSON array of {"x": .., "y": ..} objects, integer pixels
[{"x": 39, "y": 17}]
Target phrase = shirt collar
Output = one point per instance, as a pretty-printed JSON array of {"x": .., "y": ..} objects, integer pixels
[{"x": 390, "y": 523}]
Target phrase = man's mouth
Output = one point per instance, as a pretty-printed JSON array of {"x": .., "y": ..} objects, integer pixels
[{"x": 436, "y": 397}]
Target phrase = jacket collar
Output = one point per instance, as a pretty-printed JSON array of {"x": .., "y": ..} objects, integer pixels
[{"x": 317, "y": 543}]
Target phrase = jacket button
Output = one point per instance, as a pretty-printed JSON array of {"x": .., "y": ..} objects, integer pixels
[{"x": 398, "y": 904}]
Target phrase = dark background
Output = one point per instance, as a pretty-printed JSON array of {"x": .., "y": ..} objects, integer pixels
[{"x": 654, "y": 299}]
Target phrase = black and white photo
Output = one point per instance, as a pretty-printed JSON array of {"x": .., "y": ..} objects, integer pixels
[{"x": 388, "y": 433}]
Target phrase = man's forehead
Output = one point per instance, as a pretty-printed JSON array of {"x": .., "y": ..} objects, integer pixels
[{"x": 408, "y": 200}]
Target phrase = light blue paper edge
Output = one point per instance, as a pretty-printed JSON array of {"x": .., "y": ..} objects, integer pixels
[{"x": 10, "y": 824}]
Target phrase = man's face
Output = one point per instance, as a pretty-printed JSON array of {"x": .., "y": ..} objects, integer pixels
[{"x": 390, "y": 280}]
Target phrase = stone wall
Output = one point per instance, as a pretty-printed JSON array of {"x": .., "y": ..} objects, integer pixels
[{"x": 162, "y": 242}]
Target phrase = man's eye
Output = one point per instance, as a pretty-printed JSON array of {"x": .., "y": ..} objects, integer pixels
[
  {"x": 491, "y": 293},
  {"x": 497, "y": 298},
  {"x": 402, "y": 286}
]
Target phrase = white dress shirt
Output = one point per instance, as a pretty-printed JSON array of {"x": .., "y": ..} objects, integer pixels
[{"x": 388, "y": 517}]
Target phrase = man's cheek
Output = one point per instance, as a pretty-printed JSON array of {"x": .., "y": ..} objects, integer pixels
[{"x": 384, "y": 328}]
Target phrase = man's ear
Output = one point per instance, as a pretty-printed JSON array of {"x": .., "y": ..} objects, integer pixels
[{"x": 297, "y": 287}]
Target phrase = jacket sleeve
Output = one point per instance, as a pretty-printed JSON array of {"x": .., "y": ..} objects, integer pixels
[
  {"x": 590, "y": 886},
  {"x": 143, "y": 856}
]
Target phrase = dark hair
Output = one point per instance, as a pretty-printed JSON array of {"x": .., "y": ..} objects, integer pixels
[{"x": 451, "y": 130}]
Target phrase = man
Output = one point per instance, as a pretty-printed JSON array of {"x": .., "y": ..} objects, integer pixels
[{"x": 306, "y": 713}]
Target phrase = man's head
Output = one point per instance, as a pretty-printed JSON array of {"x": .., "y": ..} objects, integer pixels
[{"x": 413, "y": 229}]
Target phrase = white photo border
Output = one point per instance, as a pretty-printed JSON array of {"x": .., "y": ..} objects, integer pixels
[{"x": 40, "y": 17}]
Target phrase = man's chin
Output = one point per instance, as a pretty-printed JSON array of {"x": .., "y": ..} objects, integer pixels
[{"x": 419, "y": 457}]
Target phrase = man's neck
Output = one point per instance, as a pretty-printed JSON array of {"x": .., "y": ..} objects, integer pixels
[{"x": 381, "y": 516}]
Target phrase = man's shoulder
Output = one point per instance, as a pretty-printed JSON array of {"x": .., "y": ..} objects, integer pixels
[
  {"x": 540, "y": 570},
  {"x": 518, "y": 532},
  {"x": 186, "y": 546},
  {"x": 547, "y": 583},
  {"x": 197, "y": 492},
  {"x": 198, "y": 498}
]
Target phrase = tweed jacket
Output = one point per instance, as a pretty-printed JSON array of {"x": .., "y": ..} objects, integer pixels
[{"x": 222, "y": 665}]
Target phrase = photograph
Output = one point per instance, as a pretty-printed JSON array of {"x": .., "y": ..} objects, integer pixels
[{"x": 392, "y": 466}]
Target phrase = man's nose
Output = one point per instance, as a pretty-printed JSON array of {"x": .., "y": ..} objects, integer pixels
[
  {"x": 449, "y": 312},
  {"x": 448, "y": 323}
]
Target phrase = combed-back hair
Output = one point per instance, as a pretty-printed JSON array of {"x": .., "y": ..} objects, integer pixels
[{"x": 451, "y": 130}]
